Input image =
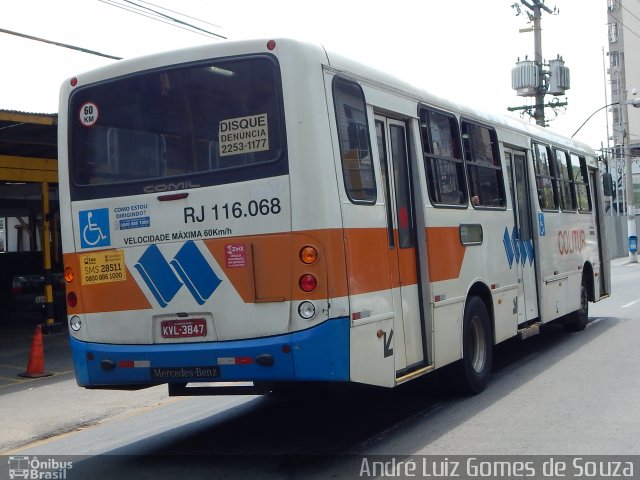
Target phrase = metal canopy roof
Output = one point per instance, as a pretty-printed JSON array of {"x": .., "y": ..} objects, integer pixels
[
  {"x": 28, "y": 134},
  {"x": 28, "y": 156}
]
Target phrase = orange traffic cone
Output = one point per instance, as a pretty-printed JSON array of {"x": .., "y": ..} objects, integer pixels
[{"x": 35, "y": 367}]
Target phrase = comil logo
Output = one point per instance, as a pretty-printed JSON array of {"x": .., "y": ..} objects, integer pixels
[{"x": 188, "y": 267}]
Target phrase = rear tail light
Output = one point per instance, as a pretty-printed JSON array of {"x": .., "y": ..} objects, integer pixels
[
  {"x": 308, "y": 255},
  {"x": 308, "y": 282},
  {"x": 16, "y": 288},
  {"x": 72, "y": 299},
  {"x": 68, "y": 275}
]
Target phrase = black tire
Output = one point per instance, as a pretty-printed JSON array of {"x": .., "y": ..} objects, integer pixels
[
  {"x": 577, "y": 321},
  {"x": 473, "y": 371}
]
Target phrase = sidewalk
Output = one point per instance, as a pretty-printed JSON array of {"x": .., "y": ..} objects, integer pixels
[{"x": 33, "y": 409}]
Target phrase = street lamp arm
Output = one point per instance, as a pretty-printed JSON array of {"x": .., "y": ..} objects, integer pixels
[
  {"x": 635, "y": 102},
  {"x": 591, "y": 116}
]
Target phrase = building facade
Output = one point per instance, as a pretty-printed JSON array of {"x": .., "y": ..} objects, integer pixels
[{"x": 624, "y": 80}]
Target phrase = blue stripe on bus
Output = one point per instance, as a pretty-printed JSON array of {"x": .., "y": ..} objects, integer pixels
[{"x": 320, "y": 353}]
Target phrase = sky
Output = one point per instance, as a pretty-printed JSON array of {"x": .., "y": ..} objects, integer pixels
[{"x": 461, "y": 49}]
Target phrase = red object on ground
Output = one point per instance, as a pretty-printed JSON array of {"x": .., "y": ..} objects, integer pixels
[{"x": 35, "y": 367}]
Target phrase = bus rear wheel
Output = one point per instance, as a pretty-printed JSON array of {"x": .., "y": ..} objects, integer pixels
[
  {"x": 577, "y": 321},
  {"x": 473, "y": 371}
]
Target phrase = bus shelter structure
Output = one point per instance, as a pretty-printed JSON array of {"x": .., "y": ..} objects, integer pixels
[{"x": 29, "y": 198}]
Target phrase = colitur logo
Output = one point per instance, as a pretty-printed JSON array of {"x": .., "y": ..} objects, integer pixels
[{"x": 188, "y": 267}]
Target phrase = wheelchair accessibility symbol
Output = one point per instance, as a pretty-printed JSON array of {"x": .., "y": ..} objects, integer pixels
[{"x": 94, "y": 228}]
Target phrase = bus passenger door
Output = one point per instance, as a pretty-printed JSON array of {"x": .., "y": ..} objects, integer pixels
[
  {"x": 393, "y": 152},
  {"x": 597, "y": 194},
  {"x": 521, "y": 237}
]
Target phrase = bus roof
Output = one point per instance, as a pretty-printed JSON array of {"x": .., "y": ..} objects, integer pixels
[
  {"x": 367, "y": 73},
  {"x": 333, "y": 60}
]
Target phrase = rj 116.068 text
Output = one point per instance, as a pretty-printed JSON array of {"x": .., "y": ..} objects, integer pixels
[{"x": 253, "y": 209}]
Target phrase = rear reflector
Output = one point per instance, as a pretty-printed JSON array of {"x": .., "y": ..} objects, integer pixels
[
  {"x": 235, "y": 360},
  {"x": 134, "y": 363}
]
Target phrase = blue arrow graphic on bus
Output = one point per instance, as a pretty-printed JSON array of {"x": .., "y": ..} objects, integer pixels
[
  {"x": 190, "y": 268},
  {"x": 517, "y": 250},
  {"x": 516, "y": 246},
  {"x": 508, "y": 248},
  {"x": 195, "y": 272},
  {"x": 523, "y": 251},
  {"x": 530, "y": 251}
]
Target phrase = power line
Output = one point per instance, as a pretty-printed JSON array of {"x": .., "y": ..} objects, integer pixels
[
  {"x": 140, "y": 10},
  {"x": 181, "y": 14},
  {"x": 127, "y": 8},
  {"x": 58, "y": 44},
  {"x": 176, "y": 20},
  {"x": 159, "y": 16}
]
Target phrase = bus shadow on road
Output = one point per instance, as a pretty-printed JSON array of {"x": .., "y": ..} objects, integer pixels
[
  {"x": 315, "y": 431},
  {"x": 350, "y": 419}
]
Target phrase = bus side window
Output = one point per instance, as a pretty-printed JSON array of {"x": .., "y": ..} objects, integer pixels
[
  {"x": 484, "y": 169},
  {"x": 443, "y": 158},
  {"x": 545, "y": 178},
  {"x": 581, "y": 181},
  {"x": 565, "y": 181},
  {"x": 353, "y": 135}
]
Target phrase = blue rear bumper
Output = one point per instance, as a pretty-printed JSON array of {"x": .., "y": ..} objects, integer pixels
[{"x": 320, "y": 353}]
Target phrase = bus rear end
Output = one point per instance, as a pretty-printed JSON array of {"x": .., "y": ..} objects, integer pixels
[{"x": 181, "y": 260}]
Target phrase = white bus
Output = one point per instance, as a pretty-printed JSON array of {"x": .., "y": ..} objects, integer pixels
[{"x": 250, "y": 215}]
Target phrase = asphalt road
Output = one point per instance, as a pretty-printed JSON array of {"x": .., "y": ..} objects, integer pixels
[{"x": 553, "y": 394}]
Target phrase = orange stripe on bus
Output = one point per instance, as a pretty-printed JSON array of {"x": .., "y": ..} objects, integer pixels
[
  {"x": 353, "y": 261},
  {"x": 104, "y": 297},
  {"x": 350, "y": 262},
  {"x": 367, "y": 251},
  {"x": 272, "y": 267},
  {"x": 445, "y": 253}
]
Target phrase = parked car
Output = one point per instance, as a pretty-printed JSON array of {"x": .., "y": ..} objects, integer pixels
[{"x": 28, "y": 294}]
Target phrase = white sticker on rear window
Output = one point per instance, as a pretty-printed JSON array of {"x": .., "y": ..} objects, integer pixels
[
  {"x": 243, "y": 135},
  {"x": 88, "y": 114}
]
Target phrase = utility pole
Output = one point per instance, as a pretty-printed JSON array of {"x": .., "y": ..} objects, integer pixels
[
  {"x": 531, "y": 79},
  {"x": 537, "y": 52}
]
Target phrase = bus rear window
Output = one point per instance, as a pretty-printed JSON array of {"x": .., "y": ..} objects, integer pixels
[{"x": 210, "y": 123}]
